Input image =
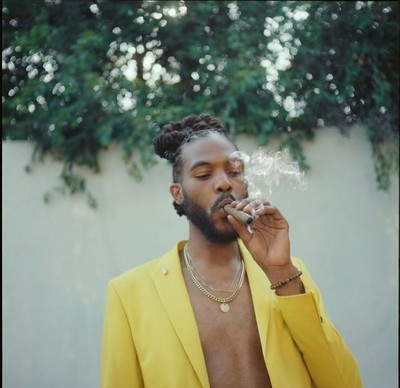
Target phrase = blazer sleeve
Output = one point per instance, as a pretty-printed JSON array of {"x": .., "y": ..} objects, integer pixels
[
  {"x": 119, "y": 362},
  {"x": 328, "y": 360}
]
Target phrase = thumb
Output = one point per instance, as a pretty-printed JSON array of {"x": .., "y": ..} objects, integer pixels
[{"x": 241, "y": 229}]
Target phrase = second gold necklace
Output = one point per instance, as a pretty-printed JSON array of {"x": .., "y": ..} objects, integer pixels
[{"x": 224, "y": 302}]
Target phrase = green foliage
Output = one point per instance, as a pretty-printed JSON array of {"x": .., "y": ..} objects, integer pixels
[{"x": 80, "y": 76}]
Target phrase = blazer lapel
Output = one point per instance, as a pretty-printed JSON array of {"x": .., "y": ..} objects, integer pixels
[{"x": 171, "y": 288}]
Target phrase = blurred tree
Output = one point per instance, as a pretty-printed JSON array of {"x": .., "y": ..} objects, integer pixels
[{"x": 81, "y": 75}]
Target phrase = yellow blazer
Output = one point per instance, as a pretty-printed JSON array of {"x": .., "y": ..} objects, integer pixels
[{"x": 150, "y": 336}]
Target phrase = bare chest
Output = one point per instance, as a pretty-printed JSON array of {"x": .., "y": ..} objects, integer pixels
[{"x": 230, "y": 340}]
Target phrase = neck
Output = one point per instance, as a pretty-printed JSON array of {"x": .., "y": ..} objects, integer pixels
[{"x": 209, "y": 254}]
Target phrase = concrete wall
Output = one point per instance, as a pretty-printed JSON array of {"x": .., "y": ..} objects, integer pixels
[{"x": 57, "y": 258}]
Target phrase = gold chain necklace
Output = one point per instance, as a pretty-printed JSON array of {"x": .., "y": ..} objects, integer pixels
[
  {"x": 201, "y": 278},
  {"x": 224, "y": 302}
]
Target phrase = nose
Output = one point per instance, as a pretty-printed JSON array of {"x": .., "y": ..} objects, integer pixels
[{"x": 222, "y": 183}]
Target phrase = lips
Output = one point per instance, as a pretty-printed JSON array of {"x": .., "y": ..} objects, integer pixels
[{"x": 224, "y": 202}]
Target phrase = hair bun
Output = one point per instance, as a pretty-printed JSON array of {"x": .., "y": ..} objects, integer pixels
[{"x": 167, "y": 144}]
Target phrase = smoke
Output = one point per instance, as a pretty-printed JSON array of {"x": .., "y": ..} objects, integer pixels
[{"x": 267, "y": 170}]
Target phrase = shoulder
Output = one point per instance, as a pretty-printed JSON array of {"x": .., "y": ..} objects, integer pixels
[
  {"x": 138, "y": 272},
  {"x": 142, "y": 273}
]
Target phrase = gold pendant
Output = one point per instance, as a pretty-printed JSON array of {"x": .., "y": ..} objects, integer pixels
[{"x": 224, "y": 307}]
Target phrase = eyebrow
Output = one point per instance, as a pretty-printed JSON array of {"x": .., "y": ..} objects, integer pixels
[
  {"x": 198, "y": 164},
  {"x": 207, "y": 164}
]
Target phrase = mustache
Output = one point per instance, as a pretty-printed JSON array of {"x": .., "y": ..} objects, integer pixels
[{"x": 223, "y": 200}]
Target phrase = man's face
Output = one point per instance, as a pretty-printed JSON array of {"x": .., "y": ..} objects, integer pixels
[{"x": 212, "y": 175}]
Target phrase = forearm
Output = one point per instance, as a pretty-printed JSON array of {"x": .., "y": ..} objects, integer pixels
[{"x": 328, "y": 360}]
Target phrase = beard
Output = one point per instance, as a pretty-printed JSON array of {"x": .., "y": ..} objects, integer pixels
[{"x": 205, "y": 224}]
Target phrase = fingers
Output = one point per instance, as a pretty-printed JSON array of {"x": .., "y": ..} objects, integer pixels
[
  {"x": 251, "y": 206},
  {"x": 243, "y": 231}
]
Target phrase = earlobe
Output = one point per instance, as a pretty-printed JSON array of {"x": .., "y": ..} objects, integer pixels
[{"x": 176, "y": 191}]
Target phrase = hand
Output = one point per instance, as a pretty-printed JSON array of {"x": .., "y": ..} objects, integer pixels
[
  {"x": 268, "y": 240},
  {"x": 268, "y": 243}
]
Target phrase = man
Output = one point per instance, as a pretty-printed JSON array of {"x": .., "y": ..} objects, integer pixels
[{"x": 229, "y": 307}]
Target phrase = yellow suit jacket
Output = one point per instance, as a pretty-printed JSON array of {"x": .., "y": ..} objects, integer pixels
[{"x": 150, "y": 336}]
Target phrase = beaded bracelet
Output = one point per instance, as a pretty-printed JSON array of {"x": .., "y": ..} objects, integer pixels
[{"x": 289, "y": 279}]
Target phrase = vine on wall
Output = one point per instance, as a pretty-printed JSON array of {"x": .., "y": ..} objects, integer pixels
[{"x": 112, "y": 73}]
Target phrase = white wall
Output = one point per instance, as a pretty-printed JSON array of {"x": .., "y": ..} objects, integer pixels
[{"x": 57, "y": 258}]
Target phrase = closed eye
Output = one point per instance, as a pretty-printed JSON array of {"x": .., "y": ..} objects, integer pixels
[{"x": 202, "y": 176}]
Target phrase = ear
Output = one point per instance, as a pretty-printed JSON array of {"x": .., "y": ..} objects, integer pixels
[{"x": 176, "y": 191}]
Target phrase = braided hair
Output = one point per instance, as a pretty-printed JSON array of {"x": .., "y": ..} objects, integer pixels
[{"x": 168, "y": 144}]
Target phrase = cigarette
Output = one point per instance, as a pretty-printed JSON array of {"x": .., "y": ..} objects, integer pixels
[{"x": 247, "y": 219}]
